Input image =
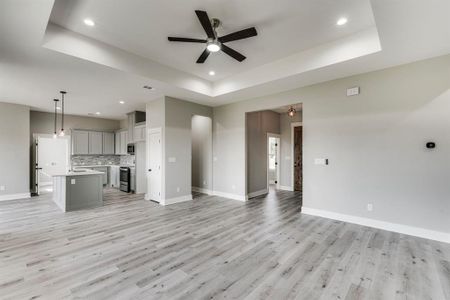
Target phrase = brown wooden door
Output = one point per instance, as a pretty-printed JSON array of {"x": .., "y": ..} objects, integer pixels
[{"x": 298, "y": 166}]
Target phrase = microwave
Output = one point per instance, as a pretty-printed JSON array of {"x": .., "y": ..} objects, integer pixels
[{"x": 130, "y": 149}]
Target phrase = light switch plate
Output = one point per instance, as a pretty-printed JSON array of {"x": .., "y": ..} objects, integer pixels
[
  {"x": 72, "y": 181},
  {"x": 2, "y": 187},
  {"x": 321, "y": 161},
  {"x": 369, "y": 207},
  {"x": 172, "y": 159}
]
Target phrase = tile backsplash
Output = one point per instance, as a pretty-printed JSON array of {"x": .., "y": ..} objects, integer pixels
[
  {"x": 127, "y": 159},
  {"x": 92, "y": 160}
]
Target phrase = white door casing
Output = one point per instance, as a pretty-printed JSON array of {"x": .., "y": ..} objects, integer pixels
[
  {"x": 154, "y": 168},
  {"x": 52, "y": 156}
]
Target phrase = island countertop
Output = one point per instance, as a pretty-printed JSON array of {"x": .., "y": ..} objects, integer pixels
[
  {"x": 81, "y": 189},
  {"x": 79, "y": 172}
]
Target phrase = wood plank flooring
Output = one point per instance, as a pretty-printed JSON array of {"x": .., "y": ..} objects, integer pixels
[{"x": 209, "y": 248}]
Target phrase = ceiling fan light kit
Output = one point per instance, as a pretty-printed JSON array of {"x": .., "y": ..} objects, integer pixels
[{"x": 214, "y": 43}]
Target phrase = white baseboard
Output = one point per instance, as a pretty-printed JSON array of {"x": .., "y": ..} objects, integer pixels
[
  {"x": 257, "y": 193},
  {"x": 15, "y": 196},
  {"x": 404, "y": 229},
  {"x": 176, "y": 200},
  {"x": 230, "y": 196},
  {"x": 286, "y": 188},
  {"x": 202, "y": 190}
]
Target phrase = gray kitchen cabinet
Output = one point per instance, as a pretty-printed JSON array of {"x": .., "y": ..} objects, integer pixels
[
  {"x": 80, "y": 142},
  {"x": 108, "y": 143},
  {"x": 123, "y": 142},
  {"x": 131, "y": 124},
  {"x": 95, "y": 142},
  {"x": 117, "y": 142}
]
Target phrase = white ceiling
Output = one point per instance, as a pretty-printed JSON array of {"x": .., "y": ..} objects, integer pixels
[
  {"x": 102, "y": 65},
  {"x": 285, "y": 27}
]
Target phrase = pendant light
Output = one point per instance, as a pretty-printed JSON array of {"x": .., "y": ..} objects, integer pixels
[
  {"x": 55, "y": 135},
  {"x": 291, "y": 111},
  {"x": 61, "y": 133}
]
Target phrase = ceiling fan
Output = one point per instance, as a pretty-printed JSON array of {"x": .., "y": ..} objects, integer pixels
[{"x": 213, "y": 42}]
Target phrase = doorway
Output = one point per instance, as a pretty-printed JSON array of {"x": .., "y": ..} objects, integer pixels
[
  {"x": 52, "y": 155},
  {"x": 273, "y": 160},
  {"x": 201, "y": 155},
  {"x": 297, "y": 154}
]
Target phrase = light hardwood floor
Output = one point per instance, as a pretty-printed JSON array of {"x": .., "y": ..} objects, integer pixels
[{"x": 209, "y": 248}]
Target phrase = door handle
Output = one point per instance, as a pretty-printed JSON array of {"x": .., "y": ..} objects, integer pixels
[
  {"x": 38, "y": 168},
  {"x": 149, "y": 170}
]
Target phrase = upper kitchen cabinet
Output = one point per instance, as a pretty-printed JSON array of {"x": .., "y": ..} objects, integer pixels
[
  {"x": 135, "y": 118},
  {"x": 80, "y": 142},
  {"x": 108, "y": 143},
  {"x": 95, "y": 142},
  {"x": 139, "y": 133},
  {"x": 121, "y": 142}
]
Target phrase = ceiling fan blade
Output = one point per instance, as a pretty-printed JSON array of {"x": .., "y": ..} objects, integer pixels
[
  {"x": 188, "y": 40},
  {"x": 239, "y": 35},
  {"x": 206, "y": 23},
  {"x": 233, "y": 53},
  {"x": 203, "y": 57}
]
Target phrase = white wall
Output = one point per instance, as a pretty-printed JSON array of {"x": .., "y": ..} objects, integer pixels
[
  {"x": 201, "y": 135},
  {"x": 14, "y": 150},
  {"x": 258, "y": 125},
  {"x": 375, "y": 143}
]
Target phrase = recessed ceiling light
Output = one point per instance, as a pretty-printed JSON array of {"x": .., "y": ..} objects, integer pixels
[
  {"x": 212, "y": 73},
  {"x": 89, "y": 22},
  {"x": 122, "y": 102},
  {"x": 97, "y": 113},
  {"x": 342, "y": 21}
]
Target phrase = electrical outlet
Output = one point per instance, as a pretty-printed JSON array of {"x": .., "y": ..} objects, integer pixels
[
  {"x": 72, "y": 181},
  {"x": 353, "y": 91},
  {"x": 369, "y": 207},
  {"x": 2, "y": 187},
  {"x": 178, "y": 189}
]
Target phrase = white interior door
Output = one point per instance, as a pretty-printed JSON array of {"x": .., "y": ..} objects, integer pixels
[
  {"x": 154, "y": 174},
  {"x": 52, "y": 157}
]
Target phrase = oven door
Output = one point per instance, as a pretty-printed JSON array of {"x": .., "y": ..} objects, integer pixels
[{"x": 124, "y": 175}]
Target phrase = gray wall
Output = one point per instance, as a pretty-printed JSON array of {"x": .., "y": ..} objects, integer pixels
[
  {"x": 174, "y": 117},
  {"x": 286, "y": 160},
  {"x": 375, "y": 143},
  {"x": 43, "y": 122},
  {"x": 177, "y": 140},
  {"x": 14, "y": 148},
  {"x": 258, "y": 125},
  {"x": 201, "y": 135}
]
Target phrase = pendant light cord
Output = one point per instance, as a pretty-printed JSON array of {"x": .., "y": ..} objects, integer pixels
[
  {"x": 62, "y": 112},
  {"x": 56, "y": 113}
]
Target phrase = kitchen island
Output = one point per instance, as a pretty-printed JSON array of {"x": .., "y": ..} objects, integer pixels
[{"x": 78, "y": 189}]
